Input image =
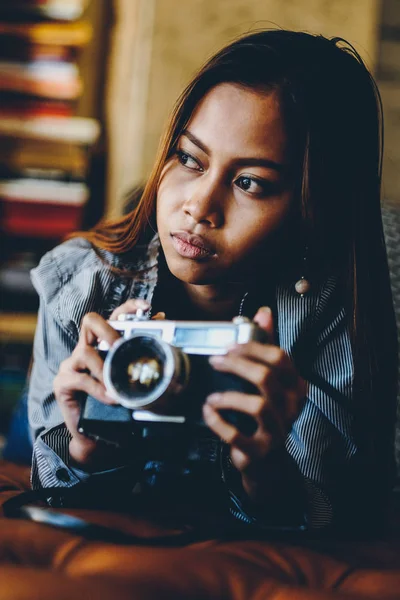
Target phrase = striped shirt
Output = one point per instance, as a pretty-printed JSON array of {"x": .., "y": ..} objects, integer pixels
[{"x": 73, "y": 280}]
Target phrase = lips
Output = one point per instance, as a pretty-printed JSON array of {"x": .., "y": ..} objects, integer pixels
[{"x": 190, "y": 245}]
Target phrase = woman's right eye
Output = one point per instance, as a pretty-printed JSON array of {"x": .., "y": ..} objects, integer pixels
[{"x": 188, "y": 161}]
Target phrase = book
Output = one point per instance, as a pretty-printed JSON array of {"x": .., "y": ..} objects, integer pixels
[
  {"x": 41, "y": 208},
  {"x": 15, "y": 273},
  {"x": 43, "y": 191},
  {"x": 19, "y": 155},
  {"x": 20, "y": 106},
  {"x": 51, "y": 79},
  {"x": 75, "y": 34},
  {"x": 80, "y": 130},
  {"x": 52, "y": 9},
  {"x": 50, "y": 220},
  {"x": 40, "y": 174},
  {"x": 18, "y": 49}
]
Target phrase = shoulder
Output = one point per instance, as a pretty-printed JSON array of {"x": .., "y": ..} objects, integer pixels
[
  {"x": 71, "y": 280},
  {"x": 65, "y": 262},
  {"x": 75, "y": 278}
]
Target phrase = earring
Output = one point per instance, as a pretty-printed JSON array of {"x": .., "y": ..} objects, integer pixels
[{"x": 302, "y": 286}]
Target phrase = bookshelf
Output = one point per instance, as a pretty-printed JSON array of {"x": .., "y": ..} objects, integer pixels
[
  {"x": 50, "y": 134},
  {"x": 46, "y": 143},
  {"x": 17, "y": 327}
]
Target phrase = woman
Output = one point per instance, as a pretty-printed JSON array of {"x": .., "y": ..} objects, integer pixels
[{"x": 264, "y": 201}]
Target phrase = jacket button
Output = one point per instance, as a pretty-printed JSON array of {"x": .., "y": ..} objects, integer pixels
[{"x": 63, "y": 475}]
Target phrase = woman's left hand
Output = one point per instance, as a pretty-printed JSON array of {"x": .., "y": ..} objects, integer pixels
[{"x": 275, "y": 408}]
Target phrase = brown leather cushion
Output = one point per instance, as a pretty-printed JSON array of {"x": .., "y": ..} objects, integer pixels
[{"x": 38, "y": 561}]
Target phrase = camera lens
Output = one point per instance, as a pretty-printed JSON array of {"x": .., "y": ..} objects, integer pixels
[
  {"x": 137, "y": 367},
  {"x": 143, "y": 374},
  {"x": 141, "y": 369}
]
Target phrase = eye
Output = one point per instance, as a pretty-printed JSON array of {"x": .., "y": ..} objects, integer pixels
[
  {"x": 253, "y": 185},
  {"x": 188, "y": 161}
]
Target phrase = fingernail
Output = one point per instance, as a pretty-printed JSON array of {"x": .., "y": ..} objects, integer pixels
[
  {"x": 213, "y": 398},
  {"x": 160, "y": 316},
  {"x": 266, "y": 310},
  {"x": 218, "y": 359}
]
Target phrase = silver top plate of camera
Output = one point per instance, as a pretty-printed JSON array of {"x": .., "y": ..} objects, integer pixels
[{"x": 193, "y": 337}]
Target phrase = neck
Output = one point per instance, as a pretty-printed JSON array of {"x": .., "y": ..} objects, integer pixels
[{"x": 212, "y": 302}]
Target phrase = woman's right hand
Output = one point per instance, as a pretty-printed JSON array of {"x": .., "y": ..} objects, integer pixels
[{"x": 81, "y": 373}]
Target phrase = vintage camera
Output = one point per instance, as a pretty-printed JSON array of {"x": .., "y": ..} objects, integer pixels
[{"x": 159, "y": 373}]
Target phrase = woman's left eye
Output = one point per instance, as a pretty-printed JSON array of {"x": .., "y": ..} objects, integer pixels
[{"x": 252, "y": 185}]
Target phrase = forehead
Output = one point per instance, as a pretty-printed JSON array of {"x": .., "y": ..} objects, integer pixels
[{"x": 240, "y": 120}]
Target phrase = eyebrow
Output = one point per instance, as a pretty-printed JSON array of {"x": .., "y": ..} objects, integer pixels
[{"x": 253, "y": 162}]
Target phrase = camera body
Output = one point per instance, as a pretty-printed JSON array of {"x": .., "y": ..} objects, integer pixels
[{"x": 159, "y": 373}]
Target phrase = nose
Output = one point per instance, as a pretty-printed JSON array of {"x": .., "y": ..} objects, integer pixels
[{"x": 204, "y": 203}]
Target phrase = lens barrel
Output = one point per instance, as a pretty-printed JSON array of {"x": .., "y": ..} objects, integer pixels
[{"x": 143, "y": 371}]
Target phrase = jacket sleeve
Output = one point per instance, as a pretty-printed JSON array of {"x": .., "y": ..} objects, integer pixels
[
  {"x": 70, "y": 281},
  {"x": 50, "y": 437},
  {"x": 329, "y": 465}
]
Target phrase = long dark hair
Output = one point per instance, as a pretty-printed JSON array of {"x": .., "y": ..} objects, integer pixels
[{"x": 333, "y": 116}]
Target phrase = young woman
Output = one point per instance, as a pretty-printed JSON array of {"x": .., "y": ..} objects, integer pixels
[{"x": 264, "y": 201}]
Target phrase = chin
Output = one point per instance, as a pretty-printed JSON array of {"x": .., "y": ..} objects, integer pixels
[{"x": 193, "y": 273}]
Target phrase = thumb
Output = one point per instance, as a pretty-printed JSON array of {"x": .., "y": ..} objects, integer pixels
[{"x": 265, "y": 320}]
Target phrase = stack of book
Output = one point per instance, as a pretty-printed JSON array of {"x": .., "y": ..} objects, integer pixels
[
  {"x": 44, "y": 147},
  {"x": 66, "y": 10}
]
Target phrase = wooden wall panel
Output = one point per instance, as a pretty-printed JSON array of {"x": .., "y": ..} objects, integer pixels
[{"x": 175, "y": 38}]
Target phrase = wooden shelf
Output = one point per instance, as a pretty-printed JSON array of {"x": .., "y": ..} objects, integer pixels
[{"x": 17, "y": 327}]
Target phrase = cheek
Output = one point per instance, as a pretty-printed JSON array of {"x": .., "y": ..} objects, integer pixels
[
  {"x": 166, "y": 211},
  {"x": 168, "y": 195},
  {"x": 259, "y": 228},
  {"x": 163, "y": 207},
  {"x": 267, "y": 215}
]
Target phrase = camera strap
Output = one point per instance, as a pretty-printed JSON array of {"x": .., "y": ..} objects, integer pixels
[
  {"x": 224, "y": 527},
  {"x": 22, "y": 507}
]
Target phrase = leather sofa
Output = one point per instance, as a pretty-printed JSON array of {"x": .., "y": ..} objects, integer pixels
[{"x": 39, "y": 561}]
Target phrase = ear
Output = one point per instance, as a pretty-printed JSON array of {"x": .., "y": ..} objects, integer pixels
[{"x": 265, "y": 320}]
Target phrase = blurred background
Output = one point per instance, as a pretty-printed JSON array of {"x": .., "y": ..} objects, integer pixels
[{"x": 85, "y": 90}]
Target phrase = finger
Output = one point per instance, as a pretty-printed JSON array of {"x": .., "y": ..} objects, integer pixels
[
  {"x": 274, "y": 357},
  {"x": 251, "y": 446},
  {"x": 129, "y": 307},
  {"x": 262, "y": 376},
  {"x": 265, "y": 353},
  {"x": 95, "y": 328},
  {"x": 250, "y": 404},
  {"x": 240, "y": 459},
  {"x": 67, "y": 386},
  {"x": 265, "y": 320},
  {"x": 218, "y": 425},
  {"x": 270, "y": 417},
  {"x": 85, "y": 358},
  {"x": 159, "y": 316}
]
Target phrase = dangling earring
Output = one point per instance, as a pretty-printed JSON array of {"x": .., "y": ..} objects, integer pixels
[{"x": 302, "y": 286}]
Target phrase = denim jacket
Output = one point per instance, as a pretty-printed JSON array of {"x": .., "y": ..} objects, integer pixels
[{"x": 329, "y": 468}]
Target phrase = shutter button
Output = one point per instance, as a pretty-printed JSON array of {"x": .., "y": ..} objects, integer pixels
[{"x": 63, "y": 475}]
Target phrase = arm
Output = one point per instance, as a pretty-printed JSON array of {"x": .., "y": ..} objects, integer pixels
[
  {"x": 324, "y": 464},
  {"x": 263, "y": 479},
  {"x": 67, "y": 286},
  {"x": 53, "y": 465},
  {"x": 50, "y": 436}
]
